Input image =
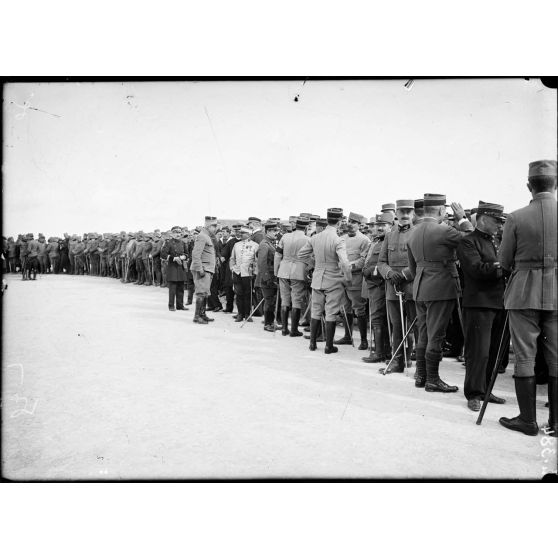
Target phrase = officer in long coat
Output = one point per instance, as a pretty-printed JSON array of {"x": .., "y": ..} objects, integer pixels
[
  {"x": 226, "y": 252},
  {"x": 529, "y": 252},
  {"x": 203, "y": 268},
  {"x": 483, "y": 303},
  {"x": 266, "y": 278},
  {"x": 392, "y": 263},
  {"x": 174, "y": 252},
  {"x": 431, "y": 249},
  {"x": 374, "y": 289},
  {"x": 332, "y": 271},
  {"x": 292, "y": 272}
]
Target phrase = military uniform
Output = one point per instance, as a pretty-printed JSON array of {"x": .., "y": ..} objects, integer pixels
[
  {"x": 266, "y": 279},
  {"x": 102, "y": 249},
  {"x": 53, "y": 252},
  {"x": 292, "y": 271},
  {"x": 431, "y": 249},
  {"x": 483, "y": 307},
  {"x": 331, "y": 270},
  {"x": 78, "y": 250},
  {"x": 242, "y": 264},
  {"x": 529, "y": 252},
  {"x": 176, "y": 274},
  {"x": 44, "y": 263},
  {"x": 226, "y": 252}
]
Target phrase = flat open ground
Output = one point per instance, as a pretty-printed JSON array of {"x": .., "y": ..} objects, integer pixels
[{"x": 101, "y": 381}]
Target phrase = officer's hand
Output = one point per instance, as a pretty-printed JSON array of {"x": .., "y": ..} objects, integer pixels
[
  {"x": 177, "y": 260},
  {"x": 396, "y": 277},
  {"x": 458, "y": 211},
  {"x": 367, "y": 272},
  {"x": 497, "y": 265}
]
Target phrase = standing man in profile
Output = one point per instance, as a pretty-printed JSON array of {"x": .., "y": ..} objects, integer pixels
[
  {"x": 266, "y": 278},
  {"x": 174, "y": 252},
  {"x": 203, "y": 268},
  {"x": 332, "y": 271},
  {"x": 529, "y": 252}
]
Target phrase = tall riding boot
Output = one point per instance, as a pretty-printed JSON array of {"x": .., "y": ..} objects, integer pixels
[
  {"x": 314, "y": 327},
  {"x": 198, "y": 316},
  {"x": 420, "y": 375},
  {"x": 319, "y": 335},
  {"x": 378, "y": 355},
  {"x": 553, "y": 406},
  {"x": 433, "y": 381},
  {"x": 269, "y": 319},
  {"x": 203, "y": 311},
  {"x": 346, "y": 339},
  {"x": 329, "y": 334},
  {"x": 363, "y": 333},
  {"x": 526, "y": 421},
  {"x": 295, "y": 318},
  {"x": 284, "y": 320}
]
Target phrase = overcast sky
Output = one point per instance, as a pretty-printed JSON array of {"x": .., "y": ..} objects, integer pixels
[{"x": 105, "y": 157}]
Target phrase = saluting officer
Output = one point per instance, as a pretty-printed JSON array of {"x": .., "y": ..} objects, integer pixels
[
  {"x": 529, "y": 252},
  {"x": 483, "y": 303},
  {"x": 431, "y": 249},
  {"x": 331, "y": 271}
]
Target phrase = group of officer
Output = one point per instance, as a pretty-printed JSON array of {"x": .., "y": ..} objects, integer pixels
[{"x": 407, "y": 276}]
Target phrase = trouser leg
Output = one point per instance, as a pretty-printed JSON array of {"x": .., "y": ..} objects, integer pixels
[{"x": 172, "y": 293}]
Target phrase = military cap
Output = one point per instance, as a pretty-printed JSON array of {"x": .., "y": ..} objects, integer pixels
[
  {"x": 405, "y": 204},
  {"x": 176, "y": 228},
  {"x": 383, "y": 218},
  {"x": 226, "y": 228},
  {"x": 293, "y": 218},
  {"x": 321, "y": 222},
  {"x": 419, "y": 204},
  {"x": 287, "y": 228},
  {"x": 236, "y": 226},
  {"x": 491, "y": 209},
  {"x": 255, "y": 219},
  {"x": 372, "y": 221},
  {"x": 276, "y": 219},
  {"x": 335, "y": 213},
  {"x": 544, "y": 167},
  {"x": 246, "y": 230},
  {"x": 271, "y": 225},
  {"x": 356, "y": 217},
  {"x": 388, "y": 207},
  {"x": 302, "y": 222},
  {"x": 210, "y": 221},
  {"x": 434, "y": 199},
  {"x": 314, "y": 217}
]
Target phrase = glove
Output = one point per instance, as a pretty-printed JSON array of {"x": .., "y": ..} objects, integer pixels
[
  {"x": 367, "y": 272},
  {"x": 396, "y": 277}
]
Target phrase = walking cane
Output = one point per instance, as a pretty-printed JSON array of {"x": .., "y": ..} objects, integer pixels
[
  {"x": 400, "y": 296},
  {"x": 504, "y": 345},
  {"x": 347, "y": 322},
  {"x": 259, "y": 304},
  {"x": 306, "y": 312},
  {"x": 383, "y": 370}
]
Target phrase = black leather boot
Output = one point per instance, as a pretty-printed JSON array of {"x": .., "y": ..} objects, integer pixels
[
  {"x": 433, "y": 381},
  {"x": 363, "y": 330},
  {"x": 397, "y": 365},
  {"x": 295, "y": 318},
  {"x": 314, "y": 327},
  {"x": 202, "y": 311},
  {"x": 190, "y": 297},
  {"x": 269, "y": 321},
  {"x": 329, "y": 333},
  {"x": 378, "y": 354},
  {"x": 198, "y": 316},
  {"x": 320, "y": 335},
  {"x": 420, "y": 375},
  {"x": 552, "y": 407},
  {"x": 526, "y": 421},
  {"x": 284, "y": 320},
  {"x": 346, "y": 339}
]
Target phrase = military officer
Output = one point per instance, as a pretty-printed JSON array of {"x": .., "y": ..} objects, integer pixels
[
  {"x": 226, "y": 253},
  {"x": 418, "y": 214},
  {"x": 266, "y": 278},
  {"x": 529, "y": 252},
  {"x": 53, "y": 252},
  {"x": 392, "y": 264},
  {"x": 44, "y": 263},
  {"x": 389, "y": 209},
  {"x": 155, "y": 256},
  {"x": 292, "y": 270},
  {"x": 255, "y": 224},
  {"x": 332, "y": 269},
  {"x": 78, "y": 250},
  {"x": 174, "y": 252},
  {"x": 102, "y": 248},
  {"x": 431, "y": 250},
  {"x": 243, "y": 263},
  {"x": 357, "y": 245},
  {"x": 203, "y": 268},
  {"x": 374, "y": 289},
  {"x": 33, "y": 248},
  {"x": 483, "y": 303}
]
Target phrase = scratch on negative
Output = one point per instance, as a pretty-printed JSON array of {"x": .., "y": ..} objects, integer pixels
[{"x": 347, "y": 404}]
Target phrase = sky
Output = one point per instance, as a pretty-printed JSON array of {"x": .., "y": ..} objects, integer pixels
[{"x": 111, "y": 156}]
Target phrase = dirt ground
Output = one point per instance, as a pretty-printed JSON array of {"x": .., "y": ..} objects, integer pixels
[{"x": 101, "y": 381}]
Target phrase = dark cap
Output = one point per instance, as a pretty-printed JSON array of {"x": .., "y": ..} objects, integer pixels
[
  {"x": 431, "y": 200},
  {"x": 405, "y": 204},
  {"x": 236, "y": 226},
  {"x": 383, "y": 219},
  {"x": 302, "y": 222},
  {"x": 210, "y": 221},
  {"x": 356, "y": 217},
  {"x": 305, "y": 215},
  {"x": 255, "y": 219},
  {"x": 293, "y": 218},
  {"x": 176, "y": 228},
  {"x": 491, "y": 209},
  {"x": 335, "y": 213},
  {"x": 419, "y": 204},
  {"x": 545, "y": 167},
  {"x": 268, "y": 225},
  {"x": 388, "y": 207},
  {"x": 321, "y": 222}
]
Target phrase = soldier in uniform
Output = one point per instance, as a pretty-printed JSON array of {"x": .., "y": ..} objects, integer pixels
[
  {"x": 357, "y": 245},
  {"x": 431, "y": 249},
  {"x": 12, "y": 255},
  {"x": 94, "y": 258},
  {"x": 255, "y": 223},
  {"x": 331, "y": 271},
  {"x": 529, "y": 252},
  {"x": 214, "y": 302},
  {"x": 203, "y": 268},
  {"x": 156, "y": 257},
  {"x": 374, "y": 289},
  {"x": 102, "y": 248},
  {"x": 483, "y": 303},
  {"x": 146, "y": 260},
  {"x": 389, "y": 209},
  {"x": 44, "y": 263},
  {"x": 392, "y": 264},
  {"x": 418, "y": 215},
  {"x": 33, "y": 248},
  {"x": 174, "y": 252},
  {"x": 291, "y": 270},
  {"x": 78, "y": 252},
  {"x": 227, "y": 273},
  {"x": 266, "y": 278},
  {"x": 242, "y": 263},
  {"x": 53, "y": 252}
]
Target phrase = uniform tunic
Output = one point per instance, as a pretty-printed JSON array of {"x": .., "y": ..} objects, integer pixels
[{"x": 291, "y": 270}]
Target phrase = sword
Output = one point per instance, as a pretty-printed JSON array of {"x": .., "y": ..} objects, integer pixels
[
  {"x": 383, "y": 370},
  {"x": 347, "y": 322},
  {"x": 400, "y": 296},
  {"x": 259, "y": 304}
]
